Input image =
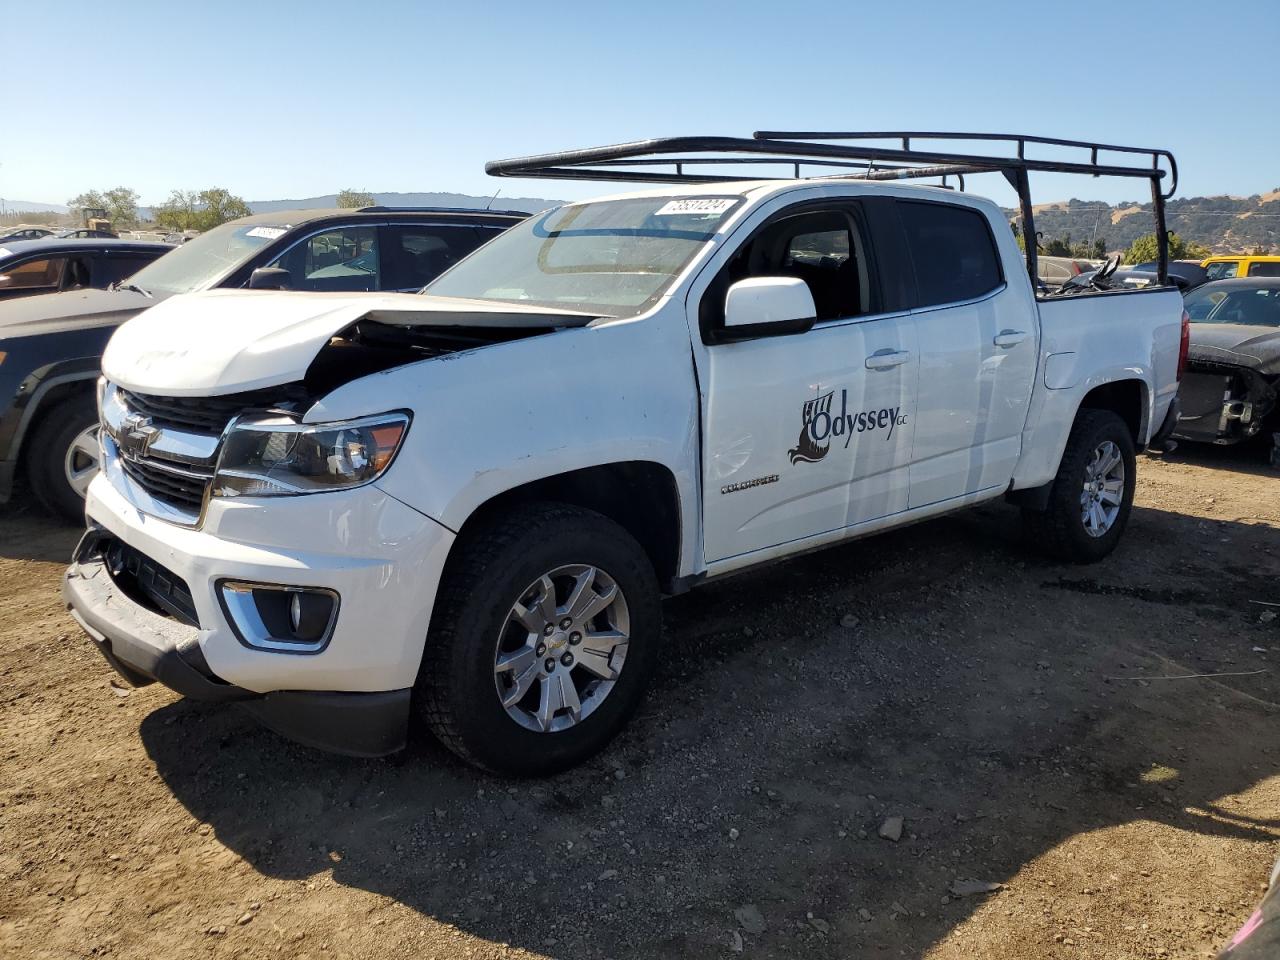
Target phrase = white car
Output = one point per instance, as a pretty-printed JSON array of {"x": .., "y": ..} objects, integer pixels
[{"x": 353, "y": 513}]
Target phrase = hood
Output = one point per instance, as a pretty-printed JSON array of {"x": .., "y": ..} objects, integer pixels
[
  {"x": 1249, "y": 346},
  {"x": 73, "y": 310},
  {"x": 229, "y": 341}
]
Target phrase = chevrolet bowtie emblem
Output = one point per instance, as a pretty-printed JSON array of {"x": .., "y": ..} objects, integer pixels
[{"x": 136, "y": 434}]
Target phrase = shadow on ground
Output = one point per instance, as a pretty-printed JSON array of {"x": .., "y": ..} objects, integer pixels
[{"x": 971, "y": 698}]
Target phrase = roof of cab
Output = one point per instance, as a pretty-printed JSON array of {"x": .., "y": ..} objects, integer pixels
[{"x": 292, "y": 218}]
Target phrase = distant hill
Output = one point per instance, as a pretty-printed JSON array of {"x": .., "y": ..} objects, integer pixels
[
  {"x": 526, "y": 204},
  {"x": 1223, "y": 224},
  {"x": 30, "y": 206}
]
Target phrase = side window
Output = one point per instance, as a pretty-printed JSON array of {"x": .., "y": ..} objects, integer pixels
[
  {"x": 824, "y": 248},
  {"x": 413, "y": 256},
  {"x": 953, "y": 251},
  {"x": 1264, "y": 269},
  {"x": 115, "y": 267},
  {"x": 1221, "y": 270},
  {"x": 341, "y": 259},
  {"x": 43, "y": 274}
]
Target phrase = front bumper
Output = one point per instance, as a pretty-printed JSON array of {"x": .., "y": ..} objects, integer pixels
[{"x": 382, "y": 558}]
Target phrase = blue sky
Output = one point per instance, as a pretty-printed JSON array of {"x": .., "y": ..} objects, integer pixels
[{"x": 277, "y": 100}]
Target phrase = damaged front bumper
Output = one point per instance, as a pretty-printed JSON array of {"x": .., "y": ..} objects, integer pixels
[
  {"x": 1224, "y": 403},
  {"x": 144, "y": 645}
]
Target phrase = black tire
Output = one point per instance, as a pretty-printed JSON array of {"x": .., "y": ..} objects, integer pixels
[
  {"x": 1060, "y": 529},
  {"x": 46, "y": 452},
  {"x": 455, "y": 693}
]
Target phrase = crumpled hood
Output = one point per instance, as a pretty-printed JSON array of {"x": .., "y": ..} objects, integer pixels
[
  {"x": 228, "y": 341},
  {"x": 1257, "y": 348},
  {"x": 73, "y": 310}
]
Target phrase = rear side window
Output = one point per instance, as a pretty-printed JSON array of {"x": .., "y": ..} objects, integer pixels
[
  {"x": 1220, "y": 271},
  {"x": 953, "y": 251},
  {"x": 117, "y": 266},
  {"x": 1264, "y": 269}
]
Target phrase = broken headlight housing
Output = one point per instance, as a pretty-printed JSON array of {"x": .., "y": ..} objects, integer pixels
[{"x": 278, "y": 458}]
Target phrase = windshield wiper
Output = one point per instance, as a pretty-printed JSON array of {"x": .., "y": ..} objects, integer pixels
[{"x": 121, "y": 285}]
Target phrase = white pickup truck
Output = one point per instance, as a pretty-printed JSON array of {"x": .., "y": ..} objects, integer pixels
[{"x": 354, "y": 513}]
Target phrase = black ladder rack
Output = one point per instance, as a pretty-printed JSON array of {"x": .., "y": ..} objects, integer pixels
[{"x": 851, "y": 157}]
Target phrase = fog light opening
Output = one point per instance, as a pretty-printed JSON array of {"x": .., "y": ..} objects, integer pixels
[{"x": 283, "y": 619}]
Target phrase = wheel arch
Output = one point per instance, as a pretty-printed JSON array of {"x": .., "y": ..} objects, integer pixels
[
  {"x": 641, "y": 496},
  {"x": 1129, "y": 399},
  {"x": 45, "y": 393}
]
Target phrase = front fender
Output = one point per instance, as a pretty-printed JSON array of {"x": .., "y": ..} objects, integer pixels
[{"x": 503, "y": 416}]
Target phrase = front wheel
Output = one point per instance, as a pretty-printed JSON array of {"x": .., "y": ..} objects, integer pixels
[
  {"x": 544, "y": 636},
  {"x": 1092, "y": 494},
  {"x": 62, "y": 457}
]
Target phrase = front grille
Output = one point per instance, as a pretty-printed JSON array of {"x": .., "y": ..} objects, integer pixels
[
  {"x": 182, "y": 486},
  {"x": 211, "y": 414},
  {"x": 175, "y": 479},
  {"x": 146, "y": 581}
]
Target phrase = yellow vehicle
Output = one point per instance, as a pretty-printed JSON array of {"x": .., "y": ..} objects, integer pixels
[{"x": 1223, "y": 268}]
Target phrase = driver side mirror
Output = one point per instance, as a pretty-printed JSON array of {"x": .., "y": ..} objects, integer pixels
[
  {"x": 767, "y": 307},
  {"x": 270, "y": 278}
]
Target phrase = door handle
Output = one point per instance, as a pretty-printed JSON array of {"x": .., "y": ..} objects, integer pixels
[
  {"x": 886, "y": 359},
  {"x": 1009, "y": 338}
]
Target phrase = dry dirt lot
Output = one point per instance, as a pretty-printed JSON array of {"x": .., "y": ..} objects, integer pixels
[{"x": 975, "y": 697}]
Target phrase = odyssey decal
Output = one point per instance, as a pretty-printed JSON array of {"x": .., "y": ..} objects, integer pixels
[
  {"x": 820, "y": 425},
  {"x": 748, "y": 484}
]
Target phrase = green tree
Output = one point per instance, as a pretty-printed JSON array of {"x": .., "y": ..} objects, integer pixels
[
  {"x": 217, "y": 206},
  {"x": 121, "y": 205},
  {"x": 1145, "y": 249},
  {"x": 351, "y": 199},
  {"x": 179, "y": 212}
]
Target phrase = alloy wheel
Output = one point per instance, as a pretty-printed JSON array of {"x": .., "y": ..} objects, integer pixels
[
  {"x": 1103, "y": 490},
  {"x": 561, "y": 648}
]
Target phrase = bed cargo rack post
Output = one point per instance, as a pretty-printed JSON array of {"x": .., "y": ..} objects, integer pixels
[{"x": 686, "y": 159}]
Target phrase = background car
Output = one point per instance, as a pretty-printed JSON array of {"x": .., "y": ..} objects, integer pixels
[
  {"x": 27, "y": 233},
  {"x": 31, "y": 267},
  {"x": 53, "y": 345},
  {"x": 1253, "y": 265},
  {"x": 1055, "y": 271},
  {"x": 1230, "y": 390},
  {"x": 86, "y": 233},
  {"x": 1189, "y": 271}
]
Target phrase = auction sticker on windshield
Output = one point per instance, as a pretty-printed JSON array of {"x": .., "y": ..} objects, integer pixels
[
  {"x": 267, "y": 233},
  {"x": 696, "y": 205}
]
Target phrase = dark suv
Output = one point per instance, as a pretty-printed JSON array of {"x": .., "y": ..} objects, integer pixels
[{"x": 51, "y": 345}]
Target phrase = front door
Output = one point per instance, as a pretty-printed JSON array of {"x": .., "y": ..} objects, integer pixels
[{"x": 810, "y": 433}]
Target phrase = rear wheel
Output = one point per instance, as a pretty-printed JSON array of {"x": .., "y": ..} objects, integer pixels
[
  {"x": 543, "y": 640},
  {"x": 1092, "y": 495},
  {"x": 62, "y": 457}
]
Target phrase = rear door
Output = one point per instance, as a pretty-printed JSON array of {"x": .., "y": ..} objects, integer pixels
[
  {"x": 810, "y": 433},
  {"x": 978, "y": 350}
]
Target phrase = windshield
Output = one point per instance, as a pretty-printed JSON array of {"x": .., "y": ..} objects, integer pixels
[
  {"x": 1252, "y": 306},
  {"x": 615, "y": 257},
  {"x": 206, "y": 258}
]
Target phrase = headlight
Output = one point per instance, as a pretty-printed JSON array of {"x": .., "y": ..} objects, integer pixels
[{"x": 275, "y": 458}]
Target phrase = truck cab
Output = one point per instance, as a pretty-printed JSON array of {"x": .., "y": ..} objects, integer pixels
[{"x": 353, "y": 514}]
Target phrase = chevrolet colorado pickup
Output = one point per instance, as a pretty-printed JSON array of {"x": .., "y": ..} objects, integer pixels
[{"x": 461, "y": 509}]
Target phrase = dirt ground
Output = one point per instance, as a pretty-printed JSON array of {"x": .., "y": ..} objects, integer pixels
[{"x": 984, "y": 695}]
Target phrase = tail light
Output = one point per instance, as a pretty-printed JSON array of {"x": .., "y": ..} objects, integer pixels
[{"x": 1185, "y": 345}]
